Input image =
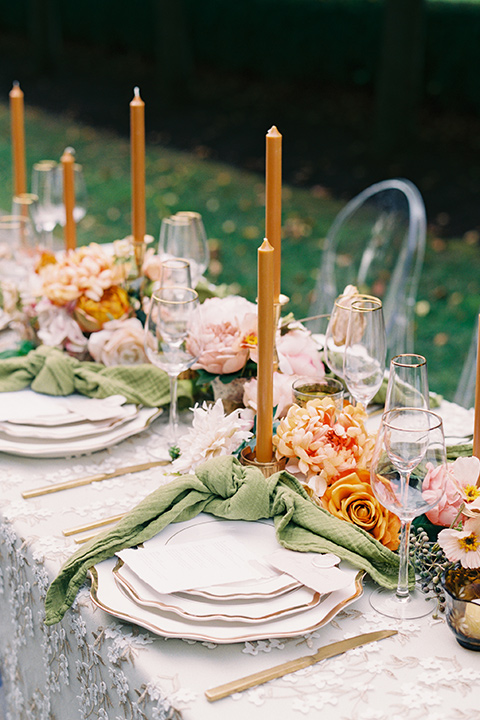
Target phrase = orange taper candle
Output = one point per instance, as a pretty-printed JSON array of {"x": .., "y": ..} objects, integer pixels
[
  {"x": 68, "y": 169},
  {"x": 137, "y": 147},
  {"x": 266, "y": 338},
  {"x": 476, "y": 427},
  {"x": 18, "y": 139},
  {"x": 273, "y": 201}
]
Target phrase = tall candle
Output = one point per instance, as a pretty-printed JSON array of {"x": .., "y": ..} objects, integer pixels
[
  {"x": 18, "y": 139},
  {"x": 273, "y": 201},
  {"x": 68, "y": 169},
  {"x": 266, "y": 338},
  {"x": 476, "y": 428},
  {"x": 137, "y": 147}
]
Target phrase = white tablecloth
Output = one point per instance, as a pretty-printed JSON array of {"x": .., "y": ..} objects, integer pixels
[{"x": 92, "y": 665}]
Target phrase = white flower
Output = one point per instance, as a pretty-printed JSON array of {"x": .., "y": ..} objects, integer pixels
[{"x": 212, "y": 434}]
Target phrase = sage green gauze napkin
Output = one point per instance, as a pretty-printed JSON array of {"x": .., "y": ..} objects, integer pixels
[
  {"x": 50, "y": 371},
  {"x": 225, "y": 488}
]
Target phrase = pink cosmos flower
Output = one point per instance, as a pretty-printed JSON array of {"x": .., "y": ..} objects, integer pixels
[
  {"x": 462, "y": 545},
  {"x": 460, "y": 487}
]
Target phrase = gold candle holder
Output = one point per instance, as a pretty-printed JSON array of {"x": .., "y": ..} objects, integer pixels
[{"x": 248, "y": 458}]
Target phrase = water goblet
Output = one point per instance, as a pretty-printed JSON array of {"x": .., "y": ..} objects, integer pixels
[
  {"x": 179, "y": 238},
  {"x": 175, "y": 271},
  {"x": 365, "y": 349},
  {"x": 171, "y": 314},
  {"x": 201, "y": 237},
  {"x": 407, "y": 382},
  {"x": 49, "y": 204},
  {"x": 409, "y": 450},
  {"x": 18, "y": 241},
  {"x": 26, "y": 205}
]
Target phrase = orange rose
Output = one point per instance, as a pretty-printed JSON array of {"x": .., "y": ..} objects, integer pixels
[
  {"x": 351, "y": 498},
  {"x": 91, "y": 315}
]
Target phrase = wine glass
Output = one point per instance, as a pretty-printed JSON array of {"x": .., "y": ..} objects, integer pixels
[
  {"x": 171, "y": 314},
  {"x": 49, "y": 203},
  {"x": 200, "y": 232},
  {"x": 18, "y": 238},
  {"x": 365, "y": 349},
  {"x": 175, "y": 271},
  {"x": 410, "y": 447},
  {"x": 407, "y": 382},
  {"x": 26, "y": 205},
  {"x": 179, "y": 238},
  {"x": 336, "y": 334}
]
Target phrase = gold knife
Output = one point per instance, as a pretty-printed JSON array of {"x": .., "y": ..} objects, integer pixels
[
  {"x": 78, "y": 482},
  {"x": 336, "y": 648}
]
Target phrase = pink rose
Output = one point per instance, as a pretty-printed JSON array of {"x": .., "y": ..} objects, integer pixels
[
  {"x": 120, "y": 342},
  {"x": 282, "y": 394},
  {"x": 298, "y": 354},
  {"x": 218, "y": 337}
]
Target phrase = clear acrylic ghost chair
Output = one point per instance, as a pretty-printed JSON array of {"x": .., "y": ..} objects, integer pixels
[
  {"x": 377, "y": 242},
  {"x": 465, "y": 392}
]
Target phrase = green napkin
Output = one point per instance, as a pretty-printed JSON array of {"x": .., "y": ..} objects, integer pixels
[
  {"x": 225, "y": 488},
  {"x": 50, "y": 371}
]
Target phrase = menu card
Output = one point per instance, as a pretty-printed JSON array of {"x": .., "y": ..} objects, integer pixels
[{"x": 199, "y": 564}]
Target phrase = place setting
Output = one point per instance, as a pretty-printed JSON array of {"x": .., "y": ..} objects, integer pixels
[{"x": 36, "y": 425}]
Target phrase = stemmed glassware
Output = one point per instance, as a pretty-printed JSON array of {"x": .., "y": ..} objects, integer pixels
[
  {"x": 365, "y": 349},
  {"x": 44, "y": 186},
  {"x": 183, "y": 236},
  {"x": 17, "y": 242},
  {"x": 410, "y": 449},
  {"x": 407, "y": 382},
  {"x": 336, "y": 334},
  {"x": 172, "y": 312},
  {"x": 175, "y": 271},
  {"x": 25, "y": 206}
]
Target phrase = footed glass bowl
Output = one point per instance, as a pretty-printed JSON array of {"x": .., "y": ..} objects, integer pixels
[{"x": 462, "y": 596}]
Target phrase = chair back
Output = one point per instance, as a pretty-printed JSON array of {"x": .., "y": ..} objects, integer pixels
[
  {"x": 465, "y": 392},
  {"x": 377, "y": 242}
]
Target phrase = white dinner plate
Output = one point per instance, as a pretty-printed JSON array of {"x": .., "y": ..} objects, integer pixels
[
  {"x": 70, "y": 430},
  {"x": 108, "y": 596},
  {"x": 202, "y": 610},
  {"x": 78, "y": 446},
  {"x": 256, "y": 535}
]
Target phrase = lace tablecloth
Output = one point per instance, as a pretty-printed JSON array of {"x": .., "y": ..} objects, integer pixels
[{"x": 92, "y": 665}]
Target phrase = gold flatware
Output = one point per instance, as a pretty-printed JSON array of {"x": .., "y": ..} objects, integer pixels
[
  {"x": 92, "y": 525},
  {"x": 336, "y": 648},
  {"x": 78, "y": 482}
]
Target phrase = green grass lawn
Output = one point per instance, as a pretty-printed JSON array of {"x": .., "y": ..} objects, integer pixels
[{"x": 232, "y": 205}]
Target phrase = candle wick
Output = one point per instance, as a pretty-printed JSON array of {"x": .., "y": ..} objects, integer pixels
[{"x": 136, "y": 91}]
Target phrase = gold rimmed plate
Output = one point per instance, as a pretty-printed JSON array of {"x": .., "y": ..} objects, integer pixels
[
  {"x": 43, "y": 448},
  {"x": 202, "y": 610},
  {"x": 109, "y": 597}
]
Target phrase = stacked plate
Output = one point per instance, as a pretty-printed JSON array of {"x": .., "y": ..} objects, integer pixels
[
  {"x": 36, "y": 425},
  {"x": 276, "y": 605}
]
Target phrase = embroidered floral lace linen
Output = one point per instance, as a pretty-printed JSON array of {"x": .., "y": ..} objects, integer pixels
[{"x": 92, "y": 665}]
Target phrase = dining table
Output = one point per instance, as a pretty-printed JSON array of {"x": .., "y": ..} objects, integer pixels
[{"x": 97, "y": 664}]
